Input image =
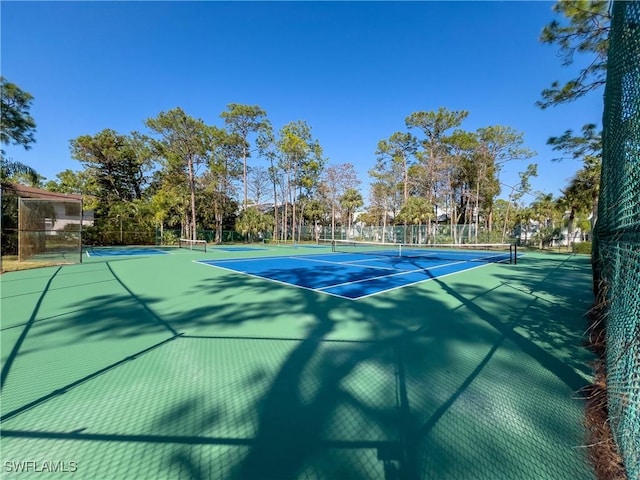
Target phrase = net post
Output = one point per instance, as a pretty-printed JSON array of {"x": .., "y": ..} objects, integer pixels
[{"x": 81, "y": 226}]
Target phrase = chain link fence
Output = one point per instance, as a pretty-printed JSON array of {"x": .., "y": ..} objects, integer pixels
[{"x": 617, "y": 252}]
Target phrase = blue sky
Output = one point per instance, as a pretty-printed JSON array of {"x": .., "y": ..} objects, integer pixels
[{"x": 352, "y": 71}]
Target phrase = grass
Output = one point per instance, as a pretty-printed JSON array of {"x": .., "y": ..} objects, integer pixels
[{"x": 10, "y": 263}]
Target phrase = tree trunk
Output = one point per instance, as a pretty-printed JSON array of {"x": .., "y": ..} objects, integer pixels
[
  {"x": 384, "y": 223},
  {"x": 244, "y": 175},
  {"x": 476, "y": 212},
  {"x": 192, "y": 186},
  {"x": 506, "y": 219},
  {"x": 406, "y": 179},
  {"x": 333, "y": 221},
  {"x": 570, "y": 227},
  {"x": 300, "y": 222}
]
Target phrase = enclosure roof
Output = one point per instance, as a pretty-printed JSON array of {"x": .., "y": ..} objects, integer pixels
[{"x": 31, "y": 192}]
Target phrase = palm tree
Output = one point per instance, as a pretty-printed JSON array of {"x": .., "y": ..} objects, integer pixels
[
  {"x": 416, "y": 211},
  {"x": 575, "y": 200},
  {"x": 351, "y": 200},
  {"x": 253, "y": 222},
  {"x": 543, "y": 209},
  {"x": 586, "y": 185}
]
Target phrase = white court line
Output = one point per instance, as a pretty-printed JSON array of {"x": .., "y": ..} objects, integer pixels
[
  {"x": 416, "y": 282},
  {"x": 279, "y": 282},
  {"x": 391, "y": 275},
  {"x": 322, "y": 289},
  {"x": 291, "y": 257}
]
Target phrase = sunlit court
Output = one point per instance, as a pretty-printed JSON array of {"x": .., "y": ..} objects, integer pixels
[
  {"x": 360, "y": 269},
  {"x": 320, "y": 240},
  {"x": 297, "y": 362}
]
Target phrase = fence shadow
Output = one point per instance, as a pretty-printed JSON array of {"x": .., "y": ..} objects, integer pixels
[{"x": 345, "y": 390}]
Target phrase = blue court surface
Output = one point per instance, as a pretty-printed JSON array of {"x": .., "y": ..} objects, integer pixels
[
  {"x": 123, "y": 252},
  {"x": 238, "y": 249},
  {"x": 346, "y": 275}
]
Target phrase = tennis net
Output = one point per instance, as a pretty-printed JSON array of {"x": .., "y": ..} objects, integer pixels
[
  {"x": 199, "y": 245},
  {"x": 487, "y": 252}
]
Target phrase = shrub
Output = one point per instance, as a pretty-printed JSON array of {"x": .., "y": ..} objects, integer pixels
[{"x": 582, "y": 247}]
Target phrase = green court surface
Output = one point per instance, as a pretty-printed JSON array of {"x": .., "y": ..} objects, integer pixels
[{"x": 160, "y": 367}]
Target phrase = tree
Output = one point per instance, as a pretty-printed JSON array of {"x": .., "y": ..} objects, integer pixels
[
  {"x": 219, "y": 181},
  {"x": 586, "y": 32},
  {"x": 68, "y": 181},
  {"x": 165, "y": 207},
  {"x": 383, "y": 199},
  {"x": 578, "y": 199},
  {"x": 336, "y": 181},
  {"x": 119, "y": 164},
  {"x": 524, "y": 217},
  {"x": 458, "y": 175},
  {"x": 433, "y": 158},
  {"x": 301, "y": 161},
  {"x": 243, "y": 120},
  {"x": 252, "y": 222},
  {"x": 399, "y": 148},
  {"x": 316, "y": 211},
  {"x": 518, "y": 191},
  {"x": 120, "y": 218},
  {"x": 349, "y": 201},
  {"x": 587, "y": 148},
  {"x": 258, "y": 183},
  {"x": 544, "y": 212},
  {"x": 416, "y": 211},
  {"x": 434, "y": 126},
  {"x": 18, "y": 126},
  {"x": 267, "y": 147},
  {"x": 27, "y": 178},
  {"x": 497, "y": 145},
  {"x": 386, "y": 191},
  {"x": 184, "y": 143}
]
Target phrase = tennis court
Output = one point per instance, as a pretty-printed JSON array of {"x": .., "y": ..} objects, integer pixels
[
  {"x": 358, "y": 269},
  {"x": 160, "y": 366}
]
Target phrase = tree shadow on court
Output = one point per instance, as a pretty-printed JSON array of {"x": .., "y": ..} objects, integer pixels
[
  {"x": 400, "y": 386},
  {"x": 15, "y": 350},
  {"x": 292, "y": 426},
  {"x": 553, "y": 298}
]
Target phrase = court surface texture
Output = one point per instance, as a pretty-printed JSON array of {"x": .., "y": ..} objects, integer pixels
[
  {"x": 184, "y": 366},
  {"x": 353, "y": 275}
]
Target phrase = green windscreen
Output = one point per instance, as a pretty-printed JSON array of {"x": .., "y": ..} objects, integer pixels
[{"x": 618, "y": 230}]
